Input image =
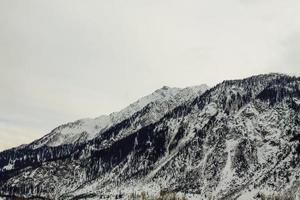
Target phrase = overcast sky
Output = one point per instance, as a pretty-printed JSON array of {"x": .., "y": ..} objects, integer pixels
[{"x": 61, "y": 60}]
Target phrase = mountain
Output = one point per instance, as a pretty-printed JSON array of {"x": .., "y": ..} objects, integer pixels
[
  {"x": 237, "y": 140},
  {"x": 82, "y": 130}
]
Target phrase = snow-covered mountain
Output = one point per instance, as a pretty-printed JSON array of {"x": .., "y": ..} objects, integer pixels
[
  {"x": 165, "y": 99},
  {"x": 237, "y": 140}
]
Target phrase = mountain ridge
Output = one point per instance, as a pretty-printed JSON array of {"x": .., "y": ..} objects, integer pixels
[
  {"x": 88, "y": 128},
  {"x": 237, "y": 140}
]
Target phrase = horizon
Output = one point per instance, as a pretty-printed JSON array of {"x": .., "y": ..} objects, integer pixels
[{"x": 209, "y": 87}]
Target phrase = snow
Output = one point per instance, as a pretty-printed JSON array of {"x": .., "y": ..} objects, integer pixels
[
  {"x": 10, "y": 166},
  {"x": 248, "y": 195},
  {"x": 206, "y": 163},
  {"x": 227, "y": 173},
  {"x": 160, "y": 164},
  {"x": 211, "y": 109},
  {"x": 88, "y": 128},
  {"x": 297, "y": 101}
]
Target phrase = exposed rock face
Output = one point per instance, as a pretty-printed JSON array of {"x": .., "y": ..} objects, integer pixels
[{"x": 233, "y": 141}]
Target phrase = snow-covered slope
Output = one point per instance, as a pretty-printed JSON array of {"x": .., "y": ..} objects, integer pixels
[
  {"x": 238, "y": 140},
  {"x": 86, "y": 129}
]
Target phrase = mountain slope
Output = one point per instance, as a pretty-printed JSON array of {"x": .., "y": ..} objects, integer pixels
[
  {"x": 235, "y": 141},
  {"x": 87, "y": 129}
]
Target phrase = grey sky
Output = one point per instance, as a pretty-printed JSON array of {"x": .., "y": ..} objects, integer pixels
[{"x": 65, "y": 60}]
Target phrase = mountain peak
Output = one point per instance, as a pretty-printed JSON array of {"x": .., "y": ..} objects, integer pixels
[
  {"x": 241, "y": 141},
  {"x": 165, "y": 87},
  {"x": 86, "y": 129}
]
